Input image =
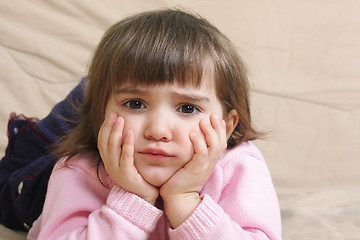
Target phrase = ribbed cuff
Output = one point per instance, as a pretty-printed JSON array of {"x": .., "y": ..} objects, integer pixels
[{"x": 134, "y": 208}]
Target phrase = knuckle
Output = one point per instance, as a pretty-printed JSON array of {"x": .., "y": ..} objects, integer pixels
[
  {"x": 203, "y": 153},
  {"x": 126, "y": 155}
]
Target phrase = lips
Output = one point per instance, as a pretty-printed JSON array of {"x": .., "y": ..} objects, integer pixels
[{"x": 156, "y": 153}]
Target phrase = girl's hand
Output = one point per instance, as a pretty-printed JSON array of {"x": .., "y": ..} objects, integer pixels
[
  {"x": 181, "y": 192},
  {"x": 119, "y": 160}
]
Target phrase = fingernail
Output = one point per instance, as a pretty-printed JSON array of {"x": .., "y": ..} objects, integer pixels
[
  {"x": 112, "y": 115},
  {"x": 118, "y": 119},
  {"x": 129, "y": 133},
  {"x": 192, "y": 134},
  {"x": 216, "y": 118}
]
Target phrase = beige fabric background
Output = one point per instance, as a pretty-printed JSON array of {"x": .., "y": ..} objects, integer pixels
[{"x": 304, "y": 64}]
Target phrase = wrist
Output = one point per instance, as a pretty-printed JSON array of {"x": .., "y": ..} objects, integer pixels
[
  {"x": 179, "y": 208},
  {"x": 152, "y": 201}
]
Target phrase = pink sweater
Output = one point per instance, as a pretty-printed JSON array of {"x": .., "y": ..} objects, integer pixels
[{"x": 238, "y": 202}]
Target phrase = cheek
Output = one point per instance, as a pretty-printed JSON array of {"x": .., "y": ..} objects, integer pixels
[
  {"x": 110, "y": 106},
  {"x": 132, "y": 124},
  {"x": 184, "y": 138},
  {"x": 187, "y": 128},
  {"x": 108, "y": 110}
]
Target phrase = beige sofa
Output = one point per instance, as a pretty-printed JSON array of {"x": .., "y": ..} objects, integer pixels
[{"x": 304, "y": 64}]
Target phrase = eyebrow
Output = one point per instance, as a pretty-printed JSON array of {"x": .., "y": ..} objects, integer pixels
[
  {"x": 191, "y": 97},
  {"x": 178, "y": 95}
]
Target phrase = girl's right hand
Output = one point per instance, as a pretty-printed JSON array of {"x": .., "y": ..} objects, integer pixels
[{"x": 118, "y": 159}]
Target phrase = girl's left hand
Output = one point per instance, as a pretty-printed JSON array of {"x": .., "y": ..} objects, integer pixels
[{"x": 181, "y": 192}]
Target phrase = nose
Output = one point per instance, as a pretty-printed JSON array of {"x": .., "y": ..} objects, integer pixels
[{"x": 158, "y": 127}]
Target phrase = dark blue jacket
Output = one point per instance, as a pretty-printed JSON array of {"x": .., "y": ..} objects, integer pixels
[{"x": 26, "y": 167}]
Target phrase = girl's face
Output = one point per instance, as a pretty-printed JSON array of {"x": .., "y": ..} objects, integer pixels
[{"x": 161, "y": 118}]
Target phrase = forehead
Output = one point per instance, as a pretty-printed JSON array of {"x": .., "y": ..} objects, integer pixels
[
  {"x": 203, "y": 80},
  {"x": 205, "y": 89},
  {"x": 205, "y": 84}
]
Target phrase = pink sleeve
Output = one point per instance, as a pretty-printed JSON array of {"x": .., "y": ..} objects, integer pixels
[
  {"x": 77, "y": 206},
  {"x": 246, "y": 206}
]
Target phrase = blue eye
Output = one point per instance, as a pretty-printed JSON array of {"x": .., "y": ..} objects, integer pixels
[
  {"x": 134, "y": 104},
  {"x": 188, "y": 109}
]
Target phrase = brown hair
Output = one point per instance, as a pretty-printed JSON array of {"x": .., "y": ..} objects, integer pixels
[{"x": 158, "y": 47}]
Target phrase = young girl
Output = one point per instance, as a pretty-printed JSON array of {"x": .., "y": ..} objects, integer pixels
[{"x": 162, "y": 150}]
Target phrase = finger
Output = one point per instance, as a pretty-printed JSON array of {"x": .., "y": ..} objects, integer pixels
[
  {"x": 115, "y": 139},
  {"x": 220, "y": 128},
  {"x": 199, "y": 145},
  {"x": 210, "y": 134},
  {"x": 199, "y": 161},
  {"x": 127, "y": 154},
  {"x": 105, "y": 131},
  {"x": 116, "y": 133}
]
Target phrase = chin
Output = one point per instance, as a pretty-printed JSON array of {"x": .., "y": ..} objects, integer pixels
[
  {"x": 156, "y": 179},
  {"x": 157, "y": 182},
  {"x": 157, "y": 176}
]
